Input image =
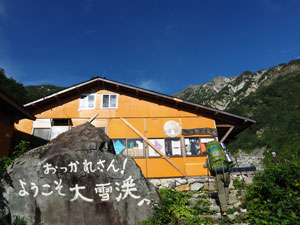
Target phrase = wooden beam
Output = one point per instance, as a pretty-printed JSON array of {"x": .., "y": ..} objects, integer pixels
[
  {"x": 224, "y": 125},
  {"x": 227, "y": 133},
  {"x": 153, "y": 146},
  {"x": 58, "y": 99},
  {"x": 94, "y": 117}
]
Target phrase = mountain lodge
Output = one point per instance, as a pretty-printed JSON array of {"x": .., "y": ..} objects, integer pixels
[{"x": 166, "y": 136}]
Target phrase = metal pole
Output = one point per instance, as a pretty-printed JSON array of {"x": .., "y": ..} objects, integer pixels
[{"x": 239, "y": 168}]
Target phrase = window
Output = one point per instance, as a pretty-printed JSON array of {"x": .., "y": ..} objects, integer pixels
[
  {"x": 194, "y": 146},
  {"x": 109, "y": 101},
  {"x": 59, "y": 126},
  {"x": 135, "y": 147},
  {"x": 48, "y": 129},
  {"x": 43, "y": 133},
  {"x": 87, "y": 101},
  {"x": 61, "y": 122},
  {"x": 159, "y": 144},
  {"x": 57, "y": 130},
  {"x": 173, "y": 147}
]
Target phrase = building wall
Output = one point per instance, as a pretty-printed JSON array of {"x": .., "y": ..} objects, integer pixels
[
  {"x": 6, "y": 132},
  {"x": 145, "y": 116}
]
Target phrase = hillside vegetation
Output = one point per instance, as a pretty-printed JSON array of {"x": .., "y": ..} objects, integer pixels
[
  {"x": 276, "y": 108},
  {"x": 271, "y": 97},
  {"x": 222, "y": 92},
  {"x": 12, "y": 88},
  {"x": 36, "y": 92},
  {"x": 21, "y": 94}
]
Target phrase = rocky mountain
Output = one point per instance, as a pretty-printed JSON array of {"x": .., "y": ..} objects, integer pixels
[{"x": 222, "y": 92}]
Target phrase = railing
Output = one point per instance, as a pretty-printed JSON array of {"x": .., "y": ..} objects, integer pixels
[{"x": 243, "y": 169}]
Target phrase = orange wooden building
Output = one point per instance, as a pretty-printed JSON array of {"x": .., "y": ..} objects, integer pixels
[{"x": 166, "y": 136}]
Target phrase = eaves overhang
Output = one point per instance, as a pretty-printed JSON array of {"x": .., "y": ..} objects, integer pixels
[{"x": 23, "y": 113}]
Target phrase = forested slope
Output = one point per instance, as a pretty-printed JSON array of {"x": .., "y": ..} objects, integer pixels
[{"x": 21, "y": 94}]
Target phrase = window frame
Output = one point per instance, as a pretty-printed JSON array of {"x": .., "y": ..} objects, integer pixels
[
  {"x": 87, "y": 95},
  {"x": 177, "y": 139},
  {"x": 151, "y": 152},
  {"x": 202, "y": 140},
  {"x": 109, "y": 104},
  {"x": 128, "y": 149},
  {"x": 57, "y": 130},
  {"x": 42, "y": 128}
]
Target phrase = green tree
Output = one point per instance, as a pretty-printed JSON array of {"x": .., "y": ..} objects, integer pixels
[{"x": 13, "y": 89}]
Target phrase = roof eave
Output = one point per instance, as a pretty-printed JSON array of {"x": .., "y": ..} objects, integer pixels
[
  {"x": 151, "y": 93},
  {"x": 18, "y": 107}
]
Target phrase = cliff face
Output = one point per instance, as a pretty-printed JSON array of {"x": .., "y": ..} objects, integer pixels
[{"x": 222, "y": 92}]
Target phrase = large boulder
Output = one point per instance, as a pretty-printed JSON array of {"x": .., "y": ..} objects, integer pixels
[{"x": 77, "y": 179}]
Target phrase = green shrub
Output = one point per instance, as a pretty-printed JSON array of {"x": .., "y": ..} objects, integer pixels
[
  {"x": 172, "y": 208},
  {"x": 20, "y": 221},
  {"x": 4, "y": 163},
  {"x": 238, "y": 183},
  {"x": 20, "y": 149},
  {"x": 203, "y": 206},
  {"x": 274, "y": 196}
]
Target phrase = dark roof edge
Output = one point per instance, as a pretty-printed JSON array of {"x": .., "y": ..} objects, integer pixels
[
  {"x": 18, "y": 107},
  {"x": 142, "y": 90}
]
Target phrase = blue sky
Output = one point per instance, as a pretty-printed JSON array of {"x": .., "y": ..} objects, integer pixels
[{"x": 161, "y": 45}]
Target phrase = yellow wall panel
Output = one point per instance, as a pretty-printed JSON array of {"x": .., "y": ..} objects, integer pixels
[
  {"x": 158, "y": 167},
  {"x": 194, "y": 166},
  {"x": 155, "y": 126},
  {"x": 100, "y": 123},
  {"x": 197, "y": 122},
  {"x": 118, "y": 129},
  {"x": 24, "y": 125},
  {"x": 142, "y": 164}
]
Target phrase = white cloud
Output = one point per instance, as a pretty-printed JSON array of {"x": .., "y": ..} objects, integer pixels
[{"x": 150, "y": 85}]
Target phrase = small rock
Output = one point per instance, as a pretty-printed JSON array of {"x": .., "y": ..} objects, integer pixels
[
  {"x": 155, "y": 182},
  {"x": 184, "y": 187},
  {"x": 248, "y": 180},
  {"x": 210, "y": 186},
  {"x": 196, "y": 186},
  {"x": 180, "y": 181},
  {"x": 193, "y": 202}
]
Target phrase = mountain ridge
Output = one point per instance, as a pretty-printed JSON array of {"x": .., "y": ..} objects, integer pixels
[{"x": 222, "y": 92}]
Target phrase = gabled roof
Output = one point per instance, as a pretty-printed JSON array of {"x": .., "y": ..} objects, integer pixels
[
  {"x": 20, "y": 110},
  {"x": 221, "y": 117}
]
